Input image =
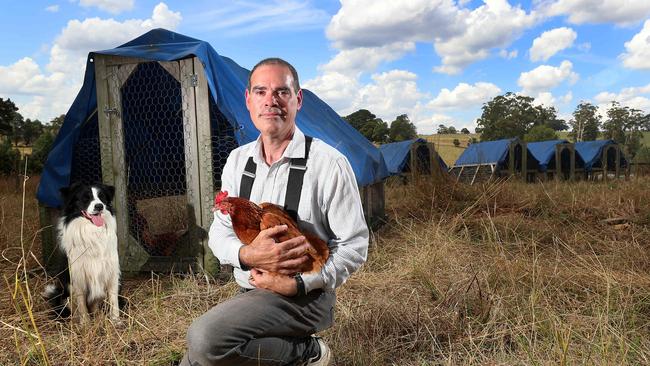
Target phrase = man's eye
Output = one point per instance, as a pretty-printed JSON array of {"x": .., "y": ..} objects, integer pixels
[
  {"x": 259, "y": 93},
  {"x": 284, "y": 93}
]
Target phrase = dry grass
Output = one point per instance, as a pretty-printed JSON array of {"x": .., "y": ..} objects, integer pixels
[{"x": 503, "y": 273}]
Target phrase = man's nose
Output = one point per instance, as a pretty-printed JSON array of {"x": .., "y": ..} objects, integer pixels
[{"x": 271, "y": 99}]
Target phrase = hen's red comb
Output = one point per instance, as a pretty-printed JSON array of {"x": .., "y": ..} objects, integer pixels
[{"x": 220, "y": 196}]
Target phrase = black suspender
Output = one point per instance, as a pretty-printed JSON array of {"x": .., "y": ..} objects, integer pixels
[
  {"x": 297, "y": 169},
  {"x": 247, "y": 179}
]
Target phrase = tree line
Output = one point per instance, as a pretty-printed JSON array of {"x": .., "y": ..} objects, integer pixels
[
  {"x": 15, "y": 130},
  {"x": 378, "y": 131},
  {"x": 511, "y": 115}
]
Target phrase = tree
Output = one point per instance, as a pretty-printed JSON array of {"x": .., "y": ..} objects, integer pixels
[
  {"x": 359, "y": 118},
  {"x": 623, "y": 125},
  {"x": 7, "y": 110},
  {"x": 30, "y": 131},
  {"x": 452, "y": 130},
  {"x": 540, "y": 133},
  {"x": 17, "y": 124},
  {"x": 9, "y": 157},
  {"x": 585, "y": 123},
  {"x": 464, "y": 131},
  {"x": 442, "y": 130},
  {"x": 548, "y": 116},
  {"x": 55, "y": 124},
  {"x": 40, "y": 151},
  {"x": 506, "y": 116},
  {"x": 375, "y": 131},
  {"x": 402, "y": 129},
  {"x": 456, "y": 142},
  {"x": 373, "y": 128}
]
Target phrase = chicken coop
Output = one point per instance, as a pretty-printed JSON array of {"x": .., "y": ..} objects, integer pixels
[
  {"x": 157, "y": 118},
  {"x": 413, "y": 159},
  {"x": 603, "y": 159},
  {"x": 495, "y": 159},
  {"x": 159, "y": 138}
]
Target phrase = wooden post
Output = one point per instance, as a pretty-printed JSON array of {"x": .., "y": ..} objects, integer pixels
[
  {"x": 605, "y": 163},
  {"x": 524, "y": 160}
]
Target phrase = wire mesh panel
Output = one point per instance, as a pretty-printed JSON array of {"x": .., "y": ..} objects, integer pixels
[
  {"x": 86, "y": 164},
  {"x": 152, "y": 118},
  {"x": 223, "y": 141}
]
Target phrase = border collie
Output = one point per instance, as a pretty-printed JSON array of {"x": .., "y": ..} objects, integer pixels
[{"x": 87, "y": 236}]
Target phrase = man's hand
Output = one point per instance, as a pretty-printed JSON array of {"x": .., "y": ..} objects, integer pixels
[
  {"x": 265, "y": 254},
  {"x": 281, "y": 284}
]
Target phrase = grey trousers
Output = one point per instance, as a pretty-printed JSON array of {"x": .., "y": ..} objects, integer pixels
[{"x": 259, "y": 327}]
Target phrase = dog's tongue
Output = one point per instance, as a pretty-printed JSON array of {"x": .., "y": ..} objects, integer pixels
[{"x": 97, "y": 220}]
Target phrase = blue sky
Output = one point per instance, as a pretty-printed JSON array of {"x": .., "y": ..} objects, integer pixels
[{"x": 436, "y": 60}]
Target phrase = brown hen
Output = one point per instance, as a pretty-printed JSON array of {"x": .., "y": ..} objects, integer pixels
[{"x": 248, "y": 219}]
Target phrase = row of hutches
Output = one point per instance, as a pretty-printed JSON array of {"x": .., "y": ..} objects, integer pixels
[
  {"x": 544, "y": 160},
  {"x": 139, "y": 123}
]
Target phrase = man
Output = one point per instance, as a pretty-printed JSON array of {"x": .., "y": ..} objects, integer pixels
[{"x": 272, "y": 320}]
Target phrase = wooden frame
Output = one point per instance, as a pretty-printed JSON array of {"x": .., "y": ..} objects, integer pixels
[{"x": 111, "y": 73}]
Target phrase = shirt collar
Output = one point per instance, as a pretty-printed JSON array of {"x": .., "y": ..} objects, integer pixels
[{"x": 295, "y": 149}]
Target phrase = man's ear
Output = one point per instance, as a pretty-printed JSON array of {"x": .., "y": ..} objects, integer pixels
[
  {"x": 299, "y": 96},
  {"x": 247, "y": 97}
]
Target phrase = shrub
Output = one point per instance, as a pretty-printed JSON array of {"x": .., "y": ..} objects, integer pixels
[{"x": 8, "y": 158}]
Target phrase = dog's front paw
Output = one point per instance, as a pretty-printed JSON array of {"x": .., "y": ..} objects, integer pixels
[{"x": 117, "y": 322}]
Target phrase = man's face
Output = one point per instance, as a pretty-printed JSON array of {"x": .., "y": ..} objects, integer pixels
[{"x": 272, "y": 102}]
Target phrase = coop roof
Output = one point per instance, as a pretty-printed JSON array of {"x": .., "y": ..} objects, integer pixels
[
  {"x": 488, "y": 152},
  {"x": 397, "y": 154},
  {"x": 227, "y": 82},
  {"x": 592, "y": 153},
  {"x": 544, "y": 151}
]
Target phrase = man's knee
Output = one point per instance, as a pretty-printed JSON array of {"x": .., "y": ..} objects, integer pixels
[{"x": 205, "y": 341}]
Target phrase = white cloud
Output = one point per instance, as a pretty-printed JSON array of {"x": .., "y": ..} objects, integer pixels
[
  {"x": 508, "y": 55},
  {"x": 552, "y": 42},
  {"x": 44, "y": 94},
  {"x": 460, "y": 36},
  {"x": 384, "y": 22},
  {"x": 25, "y": 77},
  {"x": 337, "y": 89},
  {"x": 549, "y": 100},
  {"x": 52, "y": 8},
  {"x": 545, "y": 77},
  {"x": 632, "y": 97},
  {"x": 638, "y": 49},
  {"x": 354, "y": 61},
  {"x": 389, "y": 94},
  {"x": 494, "y": 24},
  {"x": 465, "y": 95},
  {"x": 430, "y": 124},
  {"x": 111, "y": 6},
  {"x": 602, "y": 11}
]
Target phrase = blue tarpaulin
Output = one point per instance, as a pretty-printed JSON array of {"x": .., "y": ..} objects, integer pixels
[
  {"x": 227, "y": 82},
  {"x": 397, "y": 155},
  {"x": 592, "y": 154},
  {"x": 544, "y": 152},
  {"x": 488, "y": 152}
]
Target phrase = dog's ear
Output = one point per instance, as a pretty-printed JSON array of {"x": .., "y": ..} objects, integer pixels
[{"x": 110, "y": 192}]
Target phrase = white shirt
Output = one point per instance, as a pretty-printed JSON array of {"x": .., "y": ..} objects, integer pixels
[{"x": 330, "y": 207}]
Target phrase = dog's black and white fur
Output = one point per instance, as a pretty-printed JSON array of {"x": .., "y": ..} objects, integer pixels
[{"x": 87, "y": 234}]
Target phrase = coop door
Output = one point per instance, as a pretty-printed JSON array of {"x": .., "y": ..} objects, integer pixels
[{"x": 155, "y": 142}]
